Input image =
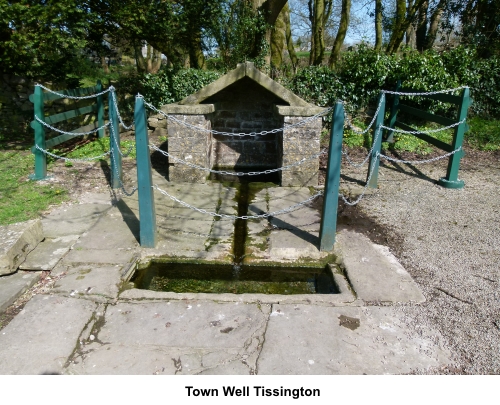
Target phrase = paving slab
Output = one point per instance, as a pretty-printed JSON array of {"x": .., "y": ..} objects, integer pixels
[
  {"x": 101, "y": 256},
  {"x": 176, "y": 337},
  {"x": 185, "y": 246},
  {"x": 97, "y": 198},
  {"x": 289, "y": 246},
  {"x": 314, "y": 340},
  {"x": 72, "y": 219},
  {"x": 110, "y": 232},
  {"x": 94, "y": 282},
  {"x": 16, "y": 241},
  {"x": 48, "y": 253},
  {"x": 42, "y": 337},
  {"x": 14, "y": 285},
  {"x": 374, "y": 273}
]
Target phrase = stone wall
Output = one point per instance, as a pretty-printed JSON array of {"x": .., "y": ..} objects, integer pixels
[
  {"x": 190, "y": 145},
  {"x": 245, "y": 107},
  {"x": 299, "y": 143}
]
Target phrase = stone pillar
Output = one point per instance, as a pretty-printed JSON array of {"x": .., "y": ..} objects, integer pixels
[
  {"x": 188, "y": 144},
  {"x": 299, "y": 143}
]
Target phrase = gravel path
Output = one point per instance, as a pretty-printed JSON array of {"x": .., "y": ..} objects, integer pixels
[{"x": 449, "y": 241}]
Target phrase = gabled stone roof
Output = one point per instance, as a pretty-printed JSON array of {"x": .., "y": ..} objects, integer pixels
[{"x": 245, "y": 70}]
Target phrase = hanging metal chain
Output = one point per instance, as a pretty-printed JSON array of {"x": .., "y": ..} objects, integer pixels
[
  {"x": 240, "y": 134},
  {"x": 428, "y": 93},
  {"x": 416, "y": 162},
  {"x": 70, "y": 133},
  {"x": 113, "y": 95},
  {"x": 430, "y": 131},
  {"x": 122, "y": 186},
  {"x": 70, "y": 159},
  {"x": 75, "y": 97},
  {"x": 298, "y": 163},
  {"x": 366, "y": 185},
  {"x": 350, "y": 125},
  {"x": 127, "y": 153},
  {"x": 344, "y": 151},
  {"x": 215, "y": 214}
]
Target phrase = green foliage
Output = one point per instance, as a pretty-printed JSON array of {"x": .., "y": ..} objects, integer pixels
[
  {"x": 39, "y": 39},
  {"x": 20, "y": 198},
  {"x": 169, "y": 86},
  {"x": 94, "y": 148},
  {"x": 363, "y": 72},
  {"x": 484, "y": 134},
  {"x": 240, "y": 35}
]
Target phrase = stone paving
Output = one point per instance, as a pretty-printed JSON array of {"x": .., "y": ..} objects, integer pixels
[{"x": 92, "y": 322}]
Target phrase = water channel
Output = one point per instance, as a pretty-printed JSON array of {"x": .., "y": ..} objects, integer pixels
[{"x": 237, "y": 278}]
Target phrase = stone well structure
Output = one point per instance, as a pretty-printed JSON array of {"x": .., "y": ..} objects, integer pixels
[{"x": 244, "y": 100}]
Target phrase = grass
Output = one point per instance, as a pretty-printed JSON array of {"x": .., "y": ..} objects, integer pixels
[
  {"x": 94, "y": 148},
  {"x": 20, "y": 198},
  {"x": 484, "y": 134}
]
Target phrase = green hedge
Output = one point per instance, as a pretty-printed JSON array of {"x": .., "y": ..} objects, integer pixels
[
  {"x": 358, "y": 79},
  {"x": 363, "y": 72}
]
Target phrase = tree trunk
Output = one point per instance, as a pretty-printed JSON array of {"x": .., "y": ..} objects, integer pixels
[
  {"x": 411, "y": 31},
  {"x": 378, "y": 25},
  {"x": 422, "y": 25},
  {"x": 271, "y": 10},
  {"x": 150, "y": 63},
  {"x": 310, "y": 7},
  {"x": 196, "y": 57},
  {"x": 339, "y": 39},
  {"x": 404, "y": 18},
  {"x": 289, "y": 39},
  {"x": 278, "y": 38},
  {"x": 319, "y": 32},
  {"x": 434, "y": 25},
  {"x": 397, "y": 29},
  {"x": 104, "y": 65}
]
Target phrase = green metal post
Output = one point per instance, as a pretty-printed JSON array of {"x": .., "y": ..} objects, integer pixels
[
  {"x": 100, "y": 109},
  {"x": 451, "y": 179},
  {"x": 114, "y": 144},
  {"x": 377, "y": 144},
  {"x": 40, "y": 158},
  {"x": 147, "y": 213},
  {"x": 332, "y": 182},
  {"x": 391, "y": 123}
]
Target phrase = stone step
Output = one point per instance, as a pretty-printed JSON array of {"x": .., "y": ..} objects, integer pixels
[
  {"x": 14, "y": 285},
  {"x": 16, "y": 241}
]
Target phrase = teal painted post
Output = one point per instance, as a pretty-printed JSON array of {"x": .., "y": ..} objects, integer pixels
[
  {"x": 451, "y": 179},
  {"x": 332, "y": 182},
  {"x": 100, "y": 109},
  {"x": 394, "y": 114},
  {"x": 40, "y": 158},
  {"x": 377, "y": 144},
  {"x": 147, "y": 213},
  {"x": 114, "y": 144}
]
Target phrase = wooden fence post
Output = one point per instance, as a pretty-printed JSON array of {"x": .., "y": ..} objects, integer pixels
[
  {"x": 328, "y": 227},
  {"x": 147, "y": 213},
  {"x": 100, "y": 109},
  {"x": 40, "y": 158},
  {"x": 114, "y": 145}
]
